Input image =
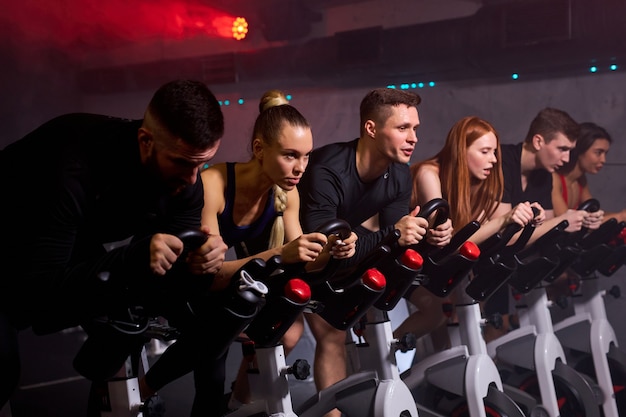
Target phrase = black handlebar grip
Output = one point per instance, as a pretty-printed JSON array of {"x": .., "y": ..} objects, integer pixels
[
  {"x": 193, "y": 238},
  {"x": 592, "y": 205},
  {"x": 436, "y": 204},
  {"x": 337, "y": 227}
]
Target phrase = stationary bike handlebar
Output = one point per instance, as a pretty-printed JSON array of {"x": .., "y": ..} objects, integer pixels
[
  {"x": 338, "y": 227},
  {"x": 590, "y": 206},
  {"x": 491, "y": 271},
  {"x": 436, "y": 205},
  {"x": 537, "y": 262},
  {"x": 496, "y": 264},
  {"x": 444, "y": 268},
  {"x": 439, "y": 205},
  {"x": 192, "y": 238}
]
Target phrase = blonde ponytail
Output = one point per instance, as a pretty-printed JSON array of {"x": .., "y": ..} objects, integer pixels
[{"x": 277, "y": 236}]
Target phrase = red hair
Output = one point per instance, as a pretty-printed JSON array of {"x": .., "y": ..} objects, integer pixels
[{"x": 454, "y": 174}]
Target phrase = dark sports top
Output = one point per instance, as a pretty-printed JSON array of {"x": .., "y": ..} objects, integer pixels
[
  {"x": 538, "y": 188},
  {"x": 231, "y": 233},
  {"x": 332, "y": 189},
  {"x": 70, "y": 188}
]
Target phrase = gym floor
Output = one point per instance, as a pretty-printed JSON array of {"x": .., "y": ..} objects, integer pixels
[{"x": 50, "y": 387}]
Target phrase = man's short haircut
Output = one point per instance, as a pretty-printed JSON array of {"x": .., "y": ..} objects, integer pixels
[
  {"x": 190, "y": 111},
  {"x": 549, "y": 122},
  {"x": 377, "y": 104}
]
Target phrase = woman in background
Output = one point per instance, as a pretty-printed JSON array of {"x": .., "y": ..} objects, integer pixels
[
  {"x": 570, "y": 187},
  {"x": 467, "y": 173}
]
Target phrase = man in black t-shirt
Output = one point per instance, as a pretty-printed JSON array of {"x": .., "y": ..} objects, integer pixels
[
  {"x": 527, "y": 169},
  {"x": 92, "y": 206},
  {"x": 356, "y": 181}
]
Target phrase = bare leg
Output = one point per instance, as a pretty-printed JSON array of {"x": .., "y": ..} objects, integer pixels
[
  {"x": 329, "y": 365},
  {"x": 428, "y": 317}
]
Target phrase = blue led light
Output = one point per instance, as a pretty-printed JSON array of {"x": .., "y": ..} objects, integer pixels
[
  {"x": 515, "y": 76},
  {"x": 593, "y": 68},
  {"x": 240, "y": 101},
  {"x": 613, "y": 67},
  {"x": 431, "y": 84}
]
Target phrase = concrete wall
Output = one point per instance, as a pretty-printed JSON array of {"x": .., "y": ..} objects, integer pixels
[{"x": 509, "y": 106}]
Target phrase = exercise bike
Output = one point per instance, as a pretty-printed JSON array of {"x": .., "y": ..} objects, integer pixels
[
  {"x": 374, "y": 388},
  {"x": 119, "y": 396},
  {"x": 463, "y": 380},
  {"x": 530, "y": 357},
  {"x": 288, "y": 296},
  {"x": 588, "y": 337}
]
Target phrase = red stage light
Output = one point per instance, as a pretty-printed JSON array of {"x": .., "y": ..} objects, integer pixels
[{"x": 240, "y": 28}]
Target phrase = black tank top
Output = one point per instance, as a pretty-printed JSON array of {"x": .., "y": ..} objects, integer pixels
[{"x": 231, "y": 233}]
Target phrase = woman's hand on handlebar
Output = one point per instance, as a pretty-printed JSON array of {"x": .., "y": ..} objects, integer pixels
[
  {"x": 343, "y": 249},
  {"x": 412, "y": 228},
  {"x": 440, "y": 235},
  {"x": 521, "y": 214},
  {"x": 209, "y": 257},
  {"x": 305, "y": 248},
  {"x": 574, "y": 219},
  {"x": 593, "y": 220}
]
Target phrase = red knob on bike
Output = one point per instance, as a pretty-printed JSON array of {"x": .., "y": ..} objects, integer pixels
[
  {"x": 412, "y": 259},
  {"x": 297, "y": 291},
  {"x": 374, "y": 279},
  {"x": 470, "y": 250}
]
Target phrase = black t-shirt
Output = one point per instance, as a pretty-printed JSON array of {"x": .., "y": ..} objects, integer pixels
[
  {"x": 70, "y": 188},
  {"x": 538, "y": 188},
  {"x": 332, "y": 189}
]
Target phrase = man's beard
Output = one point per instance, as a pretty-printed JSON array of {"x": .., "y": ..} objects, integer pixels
[{"x": 160, "y": 183}]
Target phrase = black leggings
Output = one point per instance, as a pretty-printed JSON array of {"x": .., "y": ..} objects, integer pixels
[
  {"x": 209, "y": 374},
  {"x": 105, "y": 351}
]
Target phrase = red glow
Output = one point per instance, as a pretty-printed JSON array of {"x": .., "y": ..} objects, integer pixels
[{"x": 111, "y": 23}]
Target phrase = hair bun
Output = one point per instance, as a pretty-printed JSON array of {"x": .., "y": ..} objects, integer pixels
[{"x": 272, "y": 98}]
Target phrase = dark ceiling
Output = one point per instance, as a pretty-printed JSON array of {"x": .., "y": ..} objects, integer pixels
[{"x": 540, "y": 37}]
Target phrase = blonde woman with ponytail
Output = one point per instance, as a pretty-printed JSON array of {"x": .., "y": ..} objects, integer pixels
[
  {"x": 281, "y": 144},
  {"x": 243, "y": 201}
]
